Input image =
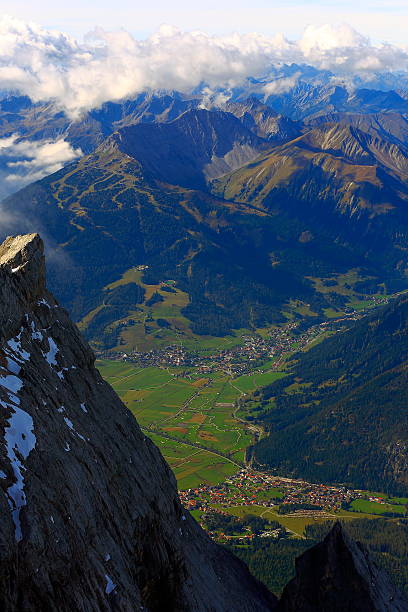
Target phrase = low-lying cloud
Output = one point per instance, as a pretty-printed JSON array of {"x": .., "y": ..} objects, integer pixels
[
  {"x": 281, "y": 85},
  {"x": 49, "y": 65},
  {"x": 25, "y": 161}
]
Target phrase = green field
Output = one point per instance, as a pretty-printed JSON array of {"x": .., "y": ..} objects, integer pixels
[
  {"x": 191, "y": 417},
  {"x": 294, "y": 524},
  {"x": 364, "y": 505},
  {"x": 193, "y": 466},
  {"x": 178, "y": 406},
  {"x": 250, "y": 382},
  {"x": 145, "y": 331}
]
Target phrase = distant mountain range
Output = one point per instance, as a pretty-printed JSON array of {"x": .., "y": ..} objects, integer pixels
[
  {"x": 306, "y": 100},
  {"x": 275, "y": 107}
]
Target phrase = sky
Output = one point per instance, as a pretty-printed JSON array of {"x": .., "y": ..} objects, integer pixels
[{"x": 381, "y": 20}]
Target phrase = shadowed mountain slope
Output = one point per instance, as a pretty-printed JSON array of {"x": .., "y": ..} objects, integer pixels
[
  {"x": 18, "y": 115},
  {"x": 345, "y": 419},
  {"x": 330, "y": 201},
  {"x": 198, "y": 146},
  {"x": 338, "y": 179}
]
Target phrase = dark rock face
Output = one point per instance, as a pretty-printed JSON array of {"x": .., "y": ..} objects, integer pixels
[
  {"x": 338, "y": 575},
  {"x": 89, "y": 512},
  {"x": 196, "y": 147}
]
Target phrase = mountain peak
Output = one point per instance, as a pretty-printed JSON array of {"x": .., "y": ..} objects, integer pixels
[
  {"x": 339, "y": 574},
  {"x": 24, "y": 255},
  {"x": 22, "y": 275},
  {"x": 197, "y": 146}
]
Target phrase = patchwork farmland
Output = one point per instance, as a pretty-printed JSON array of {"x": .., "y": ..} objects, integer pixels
[{"x": 189, "y": 416}]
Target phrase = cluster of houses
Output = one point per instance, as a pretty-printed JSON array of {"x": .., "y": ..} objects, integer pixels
[
  {"x": 237, "y": 360},
  {"x": 249, "y": 487}
]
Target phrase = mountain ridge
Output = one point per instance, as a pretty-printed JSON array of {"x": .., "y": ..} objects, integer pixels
[
  {"x": 198, "y": 145},
  {"x": 303, "y": 212}
]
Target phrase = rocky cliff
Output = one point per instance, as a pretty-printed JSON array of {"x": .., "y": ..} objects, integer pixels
[
  {"x": 90, "y": 516},
  {"x": 338, "y": 575}
]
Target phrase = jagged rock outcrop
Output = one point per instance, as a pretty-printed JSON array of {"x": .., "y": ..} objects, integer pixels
[
  {"x": 264, "y": 121},
  {"x": 338, "y": 575},
  {"x": 89, "y": 512}
]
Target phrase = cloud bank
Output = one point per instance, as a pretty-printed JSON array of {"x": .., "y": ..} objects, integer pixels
[
  {"x": 50, "y": 65},
  {"x": 25, "y": 161}
]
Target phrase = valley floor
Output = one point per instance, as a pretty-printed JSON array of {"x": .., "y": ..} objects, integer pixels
[{"x": 195, "y": 413}]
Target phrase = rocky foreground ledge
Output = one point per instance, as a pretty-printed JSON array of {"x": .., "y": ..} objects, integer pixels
[{"x": 90, "y": 518}]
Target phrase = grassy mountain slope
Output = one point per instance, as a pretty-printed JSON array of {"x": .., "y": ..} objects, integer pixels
[
  {"x": 102, "y": 219},
  {"x": 335, "y": 178}
]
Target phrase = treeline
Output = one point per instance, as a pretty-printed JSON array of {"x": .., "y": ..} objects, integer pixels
[
  {"x": 288, "y": 508},
  {"x": 233, "y": 525}
]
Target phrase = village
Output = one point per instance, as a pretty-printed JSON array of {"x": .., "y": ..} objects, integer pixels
[
  {"x": 253, "y": 351},
  {"x": 249, "y": 487}
]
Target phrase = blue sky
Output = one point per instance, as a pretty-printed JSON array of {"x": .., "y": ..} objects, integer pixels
[{"x": 382, "y": 20}]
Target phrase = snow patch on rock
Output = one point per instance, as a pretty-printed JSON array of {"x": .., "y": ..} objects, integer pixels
[
  {"x": 20, "y": 441},
  {"x": 52, "y": 352},
  {"x": 110, "y": 585}
]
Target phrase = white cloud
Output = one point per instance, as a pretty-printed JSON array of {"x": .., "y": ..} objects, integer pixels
[
  {"x": 25, "y": 161},
  {"x": 48, "y": 65},
  {"x": 282, "y": 85},
  {"x": 317, "y": 40}
]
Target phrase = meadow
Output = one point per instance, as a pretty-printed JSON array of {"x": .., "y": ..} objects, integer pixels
[
  {"x": 296, "y": 524},
  {"x": 180, "y": 409},
  {"x": 364, "y": 505}
]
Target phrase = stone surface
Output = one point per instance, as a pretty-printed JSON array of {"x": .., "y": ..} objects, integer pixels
[{"x": 338, "y": 575}]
